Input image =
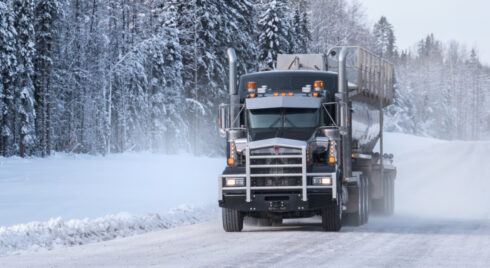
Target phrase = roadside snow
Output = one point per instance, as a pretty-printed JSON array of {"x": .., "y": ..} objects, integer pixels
[
  {"x": 57, "y": 233},
  {"x": 83, "y": 186},
  {"x": 63, "y": 200}
]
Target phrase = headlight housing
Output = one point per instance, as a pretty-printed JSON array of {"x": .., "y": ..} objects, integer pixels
[
  {"x": 322, "y": 181},
  {"x": 234, "y": 182}
]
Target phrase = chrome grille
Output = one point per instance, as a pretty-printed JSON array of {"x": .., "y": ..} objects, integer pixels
[{"x": 276, "y": 166}]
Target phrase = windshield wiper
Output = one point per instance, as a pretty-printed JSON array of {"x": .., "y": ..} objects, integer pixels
[
  {"x": 275, "y": 122},
  {"x": 290, "y": 122}
]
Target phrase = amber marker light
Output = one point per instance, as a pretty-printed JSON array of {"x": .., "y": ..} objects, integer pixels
[
  {"x": 276, "y": 94},
  {"x": 252, "y": 95},
  {"x": 315, "y": 94},
  {"x": 231, "y": 162},
  {"x": 291, "y": 94},
  {"x": 331, "y": 160},
  {"x": 252, "y": 86},
  {"x": 318, "y": 85},
  {"x": 283, "y": 94}
]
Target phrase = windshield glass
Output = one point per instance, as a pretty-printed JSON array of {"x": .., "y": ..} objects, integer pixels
[{"x": 292, "y": 123}]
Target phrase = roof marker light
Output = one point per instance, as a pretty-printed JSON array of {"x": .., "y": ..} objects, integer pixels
[
  {"x": 252, "y": 86},
  {"x": 318, "y": 85}
]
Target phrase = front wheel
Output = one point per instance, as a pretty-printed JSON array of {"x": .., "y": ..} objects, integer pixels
[
  {"x": 232, "y": 220},
  {"x": 332, "y": 216}
]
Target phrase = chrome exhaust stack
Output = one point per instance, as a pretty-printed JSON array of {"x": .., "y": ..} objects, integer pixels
[
  {"x": 234, "y": 98},
  {"x": 345, "y": 120}
]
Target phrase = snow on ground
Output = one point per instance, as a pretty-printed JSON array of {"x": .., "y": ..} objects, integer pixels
[
  {"x": 441, "y": 196},
  {"x": 443, "y": 179},
  {"x": 57, "y": 233},
  {"x": 51, "y": 194},
  {"x": 71, "y": 186}
]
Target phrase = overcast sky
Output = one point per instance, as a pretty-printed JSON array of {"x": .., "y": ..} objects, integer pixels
[{"x": 465, "y": 21}]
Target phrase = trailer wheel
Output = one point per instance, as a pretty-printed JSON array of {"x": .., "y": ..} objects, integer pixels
[
  {"x": 232, "y": 220},
  {"x": 332, "y": 216}
]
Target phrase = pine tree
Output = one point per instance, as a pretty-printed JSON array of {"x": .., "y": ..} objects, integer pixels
[
  {"x": 47, "y": 13},
  {"x": 301, "y": 32},
  {"x": 274, "y": 28},
  {"x": 385, "y": 38},
  {"x": 166, "y": 100},
  {"x": 8, "y": 64},
  {"x": 239, "y": 29},
  {"x": 24, "y": 13}
]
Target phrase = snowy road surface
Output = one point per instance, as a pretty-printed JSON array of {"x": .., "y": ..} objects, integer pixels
[
  {"x": 442, "y": 219},
  {"x": 383, "y": 242}
]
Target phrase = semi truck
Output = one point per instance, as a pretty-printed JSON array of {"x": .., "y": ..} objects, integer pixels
[{"x": 301, "y": 140}]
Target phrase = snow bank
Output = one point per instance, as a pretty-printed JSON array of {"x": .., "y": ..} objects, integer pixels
[
  {"x": 85, "y": 186},
  {"x": 56, "y": 232}
]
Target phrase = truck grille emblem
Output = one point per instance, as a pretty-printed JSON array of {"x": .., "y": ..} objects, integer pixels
[{"x": 276, "y": 150}]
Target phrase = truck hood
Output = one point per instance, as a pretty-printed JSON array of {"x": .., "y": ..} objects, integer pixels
[{"x": 276, "y": 141}]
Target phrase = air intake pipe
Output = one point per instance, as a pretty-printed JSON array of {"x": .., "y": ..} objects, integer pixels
[{"x": 345, "y": 118}]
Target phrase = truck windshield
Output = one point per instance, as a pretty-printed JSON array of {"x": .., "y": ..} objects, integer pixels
[{"x": 292, "y": 123}]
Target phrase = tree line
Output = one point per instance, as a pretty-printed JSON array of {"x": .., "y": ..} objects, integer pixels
[{"x": 103, "y": 76}]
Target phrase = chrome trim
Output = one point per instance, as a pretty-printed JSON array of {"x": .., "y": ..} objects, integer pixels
[
  {"x": 320, "y": 187},
  {"x": 233, "y": 175},
  {"x": 220, "y": 188},
  {"x": 247, "y": 178},
  {"x": 276, "y": 166},
  {"x": 281, "y": 142},
  {"x": 274, "y": 156},
  {"x": 234, "y": 188},
  {"x": 303, "y": 170},
  {"x": 278, "y": 187},
  {"x": 278, "y": 175}
]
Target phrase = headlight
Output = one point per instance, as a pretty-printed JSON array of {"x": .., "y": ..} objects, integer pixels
[
  {"x": 231, "y": 182},
  {"x": 322, "y": 181}
]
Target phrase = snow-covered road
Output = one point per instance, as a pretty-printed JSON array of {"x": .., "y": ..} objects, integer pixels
[
  {"x": 442, "y": 219},
  {"x": 397, "y": 241}
]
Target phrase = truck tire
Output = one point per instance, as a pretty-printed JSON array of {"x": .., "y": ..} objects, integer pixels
[
  {"x": 332, "y": 216},
  {"x": 232, "y": 220}
]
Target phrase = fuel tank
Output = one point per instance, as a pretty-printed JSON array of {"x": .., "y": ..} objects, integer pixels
[{"x": 365, "y": 126}]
